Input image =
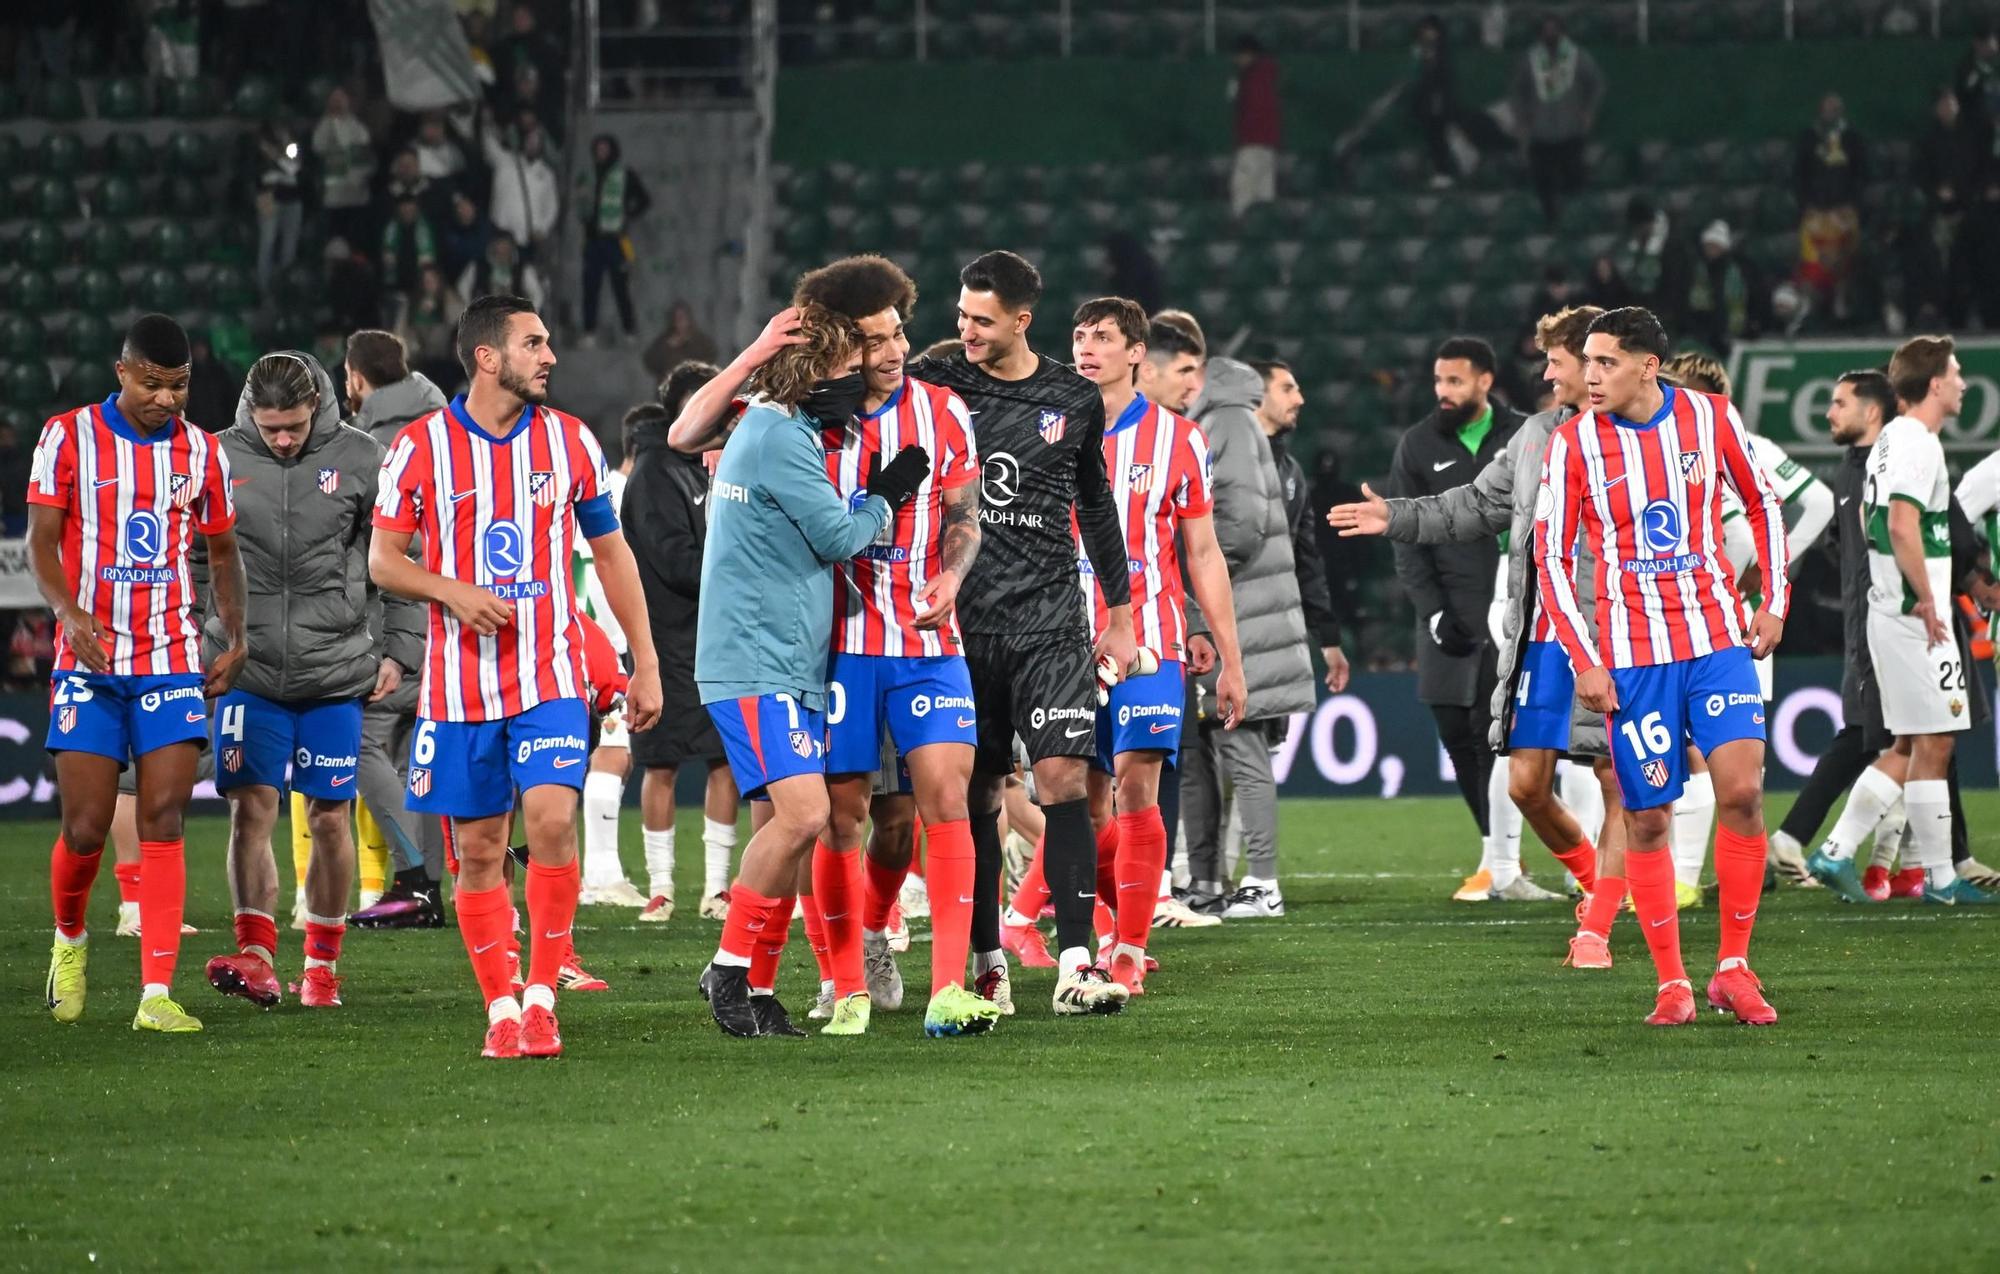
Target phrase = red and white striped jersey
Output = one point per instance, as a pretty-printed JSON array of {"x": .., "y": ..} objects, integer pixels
[
  {"x": 875, "y": 593},
  {"x": 134, "y": 503},
  {"x": 1158, "y": 465},
  {"x": 1647, "y": 499},
  {"x": 501, "y": 513}
]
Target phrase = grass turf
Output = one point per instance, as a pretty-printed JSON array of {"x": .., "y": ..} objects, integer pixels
[{"x": 1382, "y": 1077}]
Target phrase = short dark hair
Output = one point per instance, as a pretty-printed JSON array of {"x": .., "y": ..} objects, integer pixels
[
  {"x": 1127, "y": 316},
  {"x": 159, "y": 340},
  {"x": 1916, "y": 363},
  {"x": 484, "y": 322},
  {"x": 379, "y": 356},
  {"x": 1872, "y": 386},
  {"x": 282, "y": 380},
  {"x": 686, "y": 376},
  {"x": 1636, "y": 329},
  {"x": 1269, "y": 367},
  {"x": 858, "y": 287},
  {"x": 643, "y": 418},
  {"x": 1187, "y": 323},
  {"x": 1168, "y": 340},
  {"x": 1007, "y": 275},
  {"x": 1471, "y": 349},
  {"x": 1249, "y": 43}
]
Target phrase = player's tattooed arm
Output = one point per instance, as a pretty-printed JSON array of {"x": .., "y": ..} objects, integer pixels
[
  {"x": 80, "y": 628},
  {"x": 226, "y": 590},
  {"x": 958, "y": 548}
]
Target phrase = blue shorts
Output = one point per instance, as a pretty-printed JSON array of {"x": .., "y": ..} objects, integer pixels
[
  {"x": 1144, "y": 715},
  {"x": 255, "y": 738},
  {"x": 124, "y": 718},
  {"x": 917, "y": 700},
  {"x": 1544, "y": 695},
  {"x": 770, "y": 737},
  {"x": 471, "y": 769},
  {"x": 1709, "y": 701}
]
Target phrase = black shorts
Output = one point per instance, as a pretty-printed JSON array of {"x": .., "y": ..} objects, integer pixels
[
  {"x": 1039, "y": 686},
  {"x": 685, "y": 736}
]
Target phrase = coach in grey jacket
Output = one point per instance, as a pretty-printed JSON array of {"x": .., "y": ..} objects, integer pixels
[{"x": 1256, "y": 541}]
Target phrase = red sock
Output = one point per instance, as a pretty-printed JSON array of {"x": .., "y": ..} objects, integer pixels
[
  {"x": 816, "y": 936},
  {"x": 128, "y": 881},
  {"x": 1739, "y": 883},
  {"x": 552, "y": 895},
  {"x": 749, "y": 915},
  {"x": 883, "y": 885},
  {"x": 1604, "y": 903},
  {"x": 770, "y": 945},
  {"x": 1107, "y": 865},
  {"x": 1105, "y": 922},
  {"x": 1033, "y": 892},
  {"x": 70, "y": 877},
  {"x": 1581, "y": 863},
  {"x": 1650, "y": 874},
  {"x": 1142, "y": 855},
  {"x": 486, "y": 922},
  {"x": 837, "y": 884},
  {"x": 952, "y": 874},
  {"x": 162, "y": 899},
  {"x": 256, "y": 934},
  {"x": 323, "y": 940}
]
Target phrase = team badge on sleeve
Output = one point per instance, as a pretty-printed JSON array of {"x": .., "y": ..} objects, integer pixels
[
  {"x": 1052, "y": 425},
  {"x": 329, "y": 481}
]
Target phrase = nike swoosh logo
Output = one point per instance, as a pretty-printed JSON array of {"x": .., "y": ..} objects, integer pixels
[
  {"x": 164, "y": 955},
  {"x": 1161, "y": 727},
  {"x": 1442, "y": 465},
  {"x": 1077, "y": 733},
  {"x": 1746, "y": 915},
  {"x": 1612, "y": 482},
  {"x": 754, "y": 926},
  {"x": 966, "y": 723},
  {"x": 553, "y": 937},
  {"x": 488, "y": 947},
  {"x": 1847, "y": 499},
  {"x": 829, "y": 915},
  {"x": 964, "y": 901},
  {"x": 1131, "y": 884},
  {"x": 233, "y": 482},
  {"x": 342, "y": 779},
  {"x": 102, "y": 483},
  {"x": 698, "y": 500},
  {"x": 193, "y": 717},
  {"x": 456, "y": 496},
  {"x": 1082, "y": 894},
  {"x": 1661, "y": 921},
  {"x": 564, "y": 762}
]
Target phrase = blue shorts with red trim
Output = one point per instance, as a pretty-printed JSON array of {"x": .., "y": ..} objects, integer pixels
[
  {"x": 1144, "y": 715},
  {"x": 125, "y": 717},
  {"x": 258, "y": 741},
  {"x": 916, "y": 700},
  {"x": 1709, "y": 700},
  {"x": 471, "y": 769},
  {"x": 769, "y": 737},
  {"x": 1544, "y": 694}
]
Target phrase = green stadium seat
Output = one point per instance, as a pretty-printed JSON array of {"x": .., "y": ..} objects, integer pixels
[
  {"x": 168, "y": 243},
  {"x": 190, "y": 98},
  {"x": 234, "y": 242},
  {"x": 867, "y": 187},
  {"x": 54, "y": 197},
  {"x": 1254, "y": 267},
  {"x": 60, "y": 99},
  {"x": 870, "y": 230},
  {"x": 60, "y": 154},
  {"x": 129, "y": 153},
  {"x": 121, "y": 97},
  {"x": 98, "y": 289},
  {"x": 806, "y": 187},
  {"x": 90, "y": 334},
  {"x": 88, "y": 380},
  {"x": 41, "y": 245},
  {"x": 21, "y": 338},
  {"x": 230, "y": 289},
  {"x": 117, "y": 196},
  {"x": 162, "y": 288},
  {"x": 29, "y": 384},
  {"x": 255, "y": 98},
  {"x": 185, "y": 197},
  {"x": 190, "y": 152},
  {"x": 802, "y": 234},
  {"x": 953, "y": 41}
]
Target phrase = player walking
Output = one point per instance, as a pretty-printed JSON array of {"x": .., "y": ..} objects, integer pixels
[
  {"x": 1906, "y": 502},
  {"x": 116, "y": 494},
  {"x": 305, "y": 490},
  {"x": 1639, "y": 477},
  {"x": 499, "y": 484},
  {"x": 1040, "y": 430}
]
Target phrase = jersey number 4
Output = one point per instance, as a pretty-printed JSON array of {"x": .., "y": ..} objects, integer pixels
[{"x": 231, "y": 718}]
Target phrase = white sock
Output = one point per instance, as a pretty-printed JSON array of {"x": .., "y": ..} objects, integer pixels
[
  {"x": 537, "y": 996},
  {"x": 1182, "y": 876},
  {"x": 1503, "y": 841},
  {"x": 80, "y": 940},
  {"x": 1071, "y": 960},
  {"x": 152, "y": 989},
  {"x": 1579, "y": 790},
  {"x": 659, "y": 862},
  {"x": 1015, "y": 918},
  {"x": 1781, "y": 841},
  {"x": 504, "y": 1007},
  {"x": 984, "y": 960},
  {"x": 1166, "y": 886},
  {"x": 723, "y": 957},
  {"x": 1872, "y": 795},
  {"x": 1929, "y": 804},
  {"x": 718, "y": 847},
  {"x": 1694, "y": 819},
  {"x": 602, "y": 792},
  {"x": 1889, "y": 834}
]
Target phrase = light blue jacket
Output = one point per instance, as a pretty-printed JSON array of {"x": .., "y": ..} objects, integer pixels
[{"x": 776, "y": 529}]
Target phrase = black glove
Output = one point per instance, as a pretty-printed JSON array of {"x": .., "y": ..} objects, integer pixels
[
  {"x": 1452, "y": 636},
  {"x": 899, "y": 479}
]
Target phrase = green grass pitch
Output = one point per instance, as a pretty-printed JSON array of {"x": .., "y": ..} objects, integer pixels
[{"x": 1382, "y": 1079}]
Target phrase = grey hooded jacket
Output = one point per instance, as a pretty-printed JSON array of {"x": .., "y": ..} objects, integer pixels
[
  {"x": 383, "y": 414},
  {"x": 1256, "y": 541},
  {"x": 1502, "y": 498},
  {"x": 303, "y": 525}
]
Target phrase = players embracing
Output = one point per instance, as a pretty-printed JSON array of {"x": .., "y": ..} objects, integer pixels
[{"x": 500, "y": 486}]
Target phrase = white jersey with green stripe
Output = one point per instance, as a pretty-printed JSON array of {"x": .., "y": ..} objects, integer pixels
[
  {"x": 1907, "y": 463},
  {"x": 589, "y": 591},
  {"x": 1791, "y": 480}
]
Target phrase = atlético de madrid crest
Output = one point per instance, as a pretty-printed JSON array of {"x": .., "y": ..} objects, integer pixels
[
  {"x": 329, "y": 481},
  {"x": 542, "y": 488},
  {"x": 180, "y": 489},
  {"x": 1052, "y": 425},
  {"x": 1139, "y": 477},
  {"x": 1694, "y": 471}
]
